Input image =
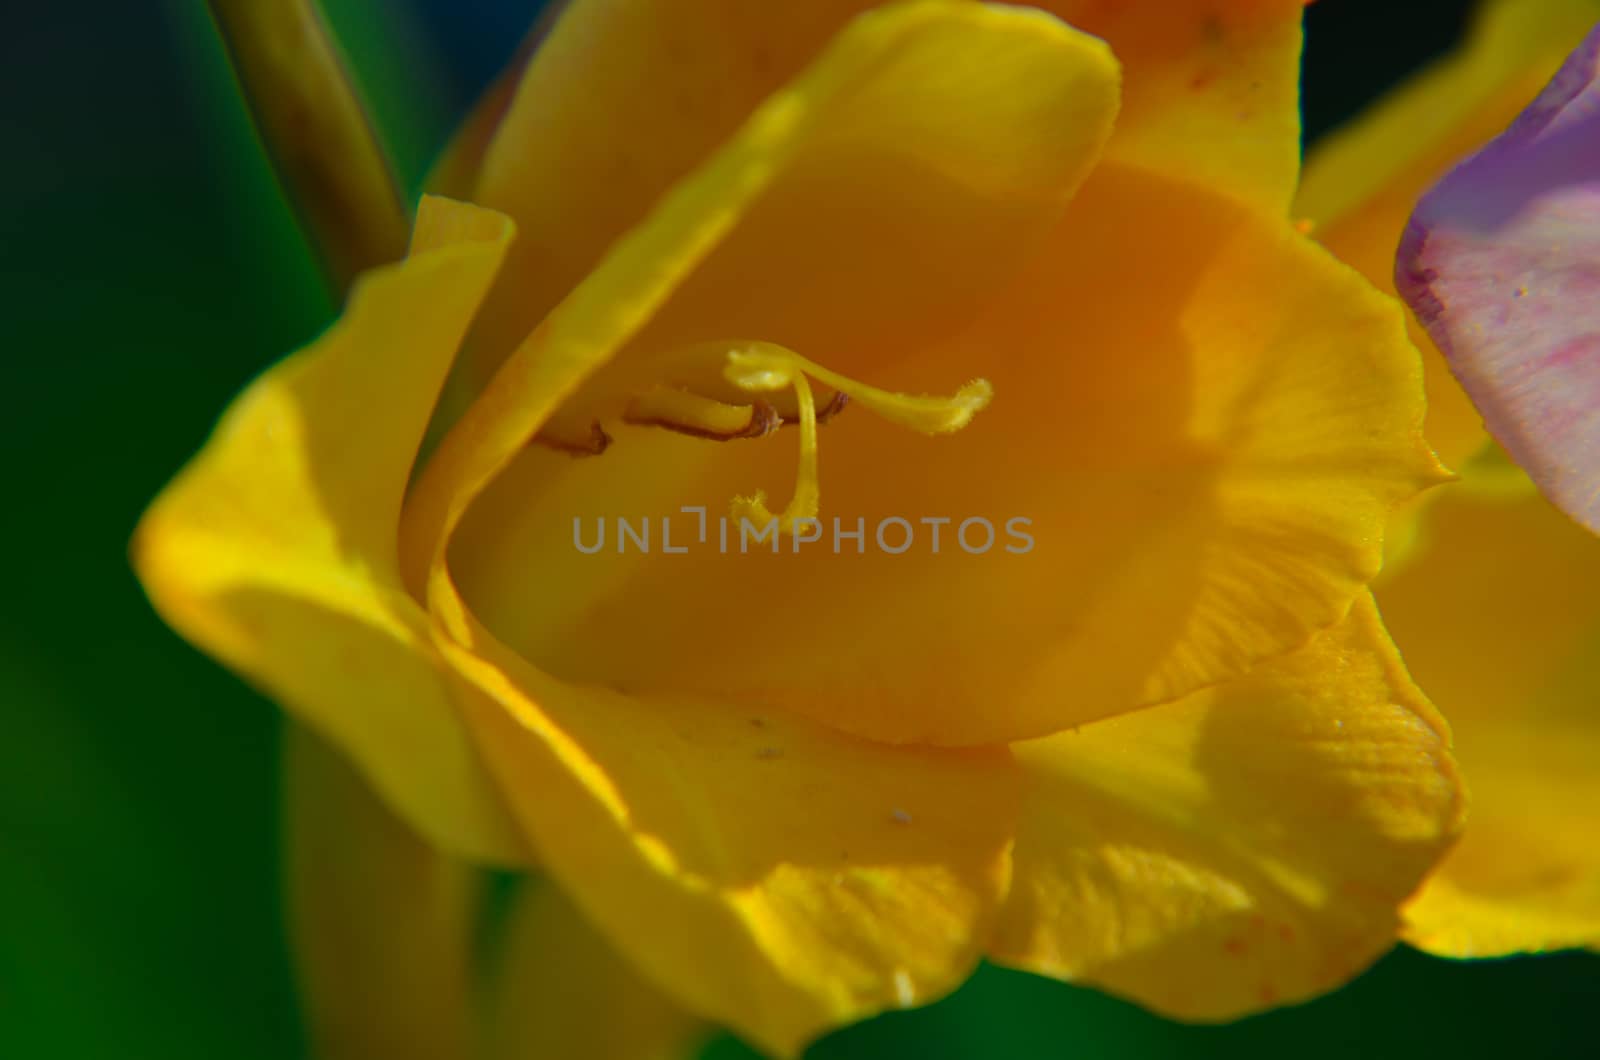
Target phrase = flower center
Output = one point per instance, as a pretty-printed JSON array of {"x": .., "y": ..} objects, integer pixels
[{"x": 764, "y": 368}]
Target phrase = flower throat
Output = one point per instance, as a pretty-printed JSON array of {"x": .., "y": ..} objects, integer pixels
[{"x": 761, "y": 369}]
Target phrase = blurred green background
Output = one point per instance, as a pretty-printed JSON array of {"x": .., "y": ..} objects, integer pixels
[{"x": 149, "y": 270}]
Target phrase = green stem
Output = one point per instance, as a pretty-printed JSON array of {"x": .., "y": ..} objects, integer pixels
[{"x": 315, "y": 129}]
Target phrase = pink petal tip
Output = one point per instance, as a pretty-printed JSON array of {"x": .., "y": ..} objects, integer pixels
[{"x": 1501, "y": 264}]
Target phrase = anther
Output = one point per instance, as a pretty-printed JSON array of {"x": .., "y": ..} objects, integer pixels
[{"x": 701, "y": 417}]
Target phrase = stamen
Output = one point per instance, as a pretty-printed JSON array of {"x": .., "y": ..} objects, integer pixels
[
  {"x": 573, "y": 434},
  {"x": 832, "y": 407},
  {"x": 702, "y": 417},
  {"x": 767, "y": 367}
]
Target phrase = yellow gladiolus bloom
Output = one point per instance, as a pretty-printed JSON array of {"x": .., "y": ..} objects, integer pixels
[
  {"x": 1496, "y": 607},
  {"x": 1034, "y": 268}
]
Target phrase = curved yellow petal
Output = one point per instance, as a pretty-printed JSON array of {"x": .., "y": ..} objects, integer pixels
[
  {"x": 580, "y": 159},
  {"x": 1206, "y": 419},
  {"x": 1244, "y": 847},
  {"x": 1499, "y": 619},
  {"x": 275, "y": 549},
  {"x": 562, "y": 991},
  {"x": 1362, "y": 182},
  {"x": 1212, "y": 89},
  {"x": 771, "y": 875}
]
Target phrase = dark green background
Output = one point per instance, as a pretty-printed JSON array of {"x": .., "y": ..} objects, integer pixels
[{"x": 149, "y": 270}]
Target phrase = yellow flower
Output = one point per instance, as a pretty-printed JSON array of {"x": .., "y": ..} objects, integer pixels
[
  {"x": 796, "y": 786},
  {"x": 1498, "y": 607}
]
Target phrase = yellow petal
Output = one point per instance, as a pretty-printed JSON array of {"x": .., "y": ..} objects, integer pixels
[
  {"x": 1244, "y": 847},
  {"x": 770, "y": 874},
  {"x": 577, "y": 169},
  {"x": 1206, "y": 419},
  {"x": 275, "y": 549},
  {"x": 1212, "y": 89},
  {"x": 580, "y": 159},
  {"x": 1362, "y": 182},
  {"x": 1499, "y": 619}
]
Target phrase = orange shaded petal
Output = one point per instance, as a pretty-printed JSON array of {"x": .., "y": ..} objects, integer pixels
[
  {"x": 580, "y": 159},
  {"x": 1205, "y": 417},
  {"x": 1212, "y": 89}
]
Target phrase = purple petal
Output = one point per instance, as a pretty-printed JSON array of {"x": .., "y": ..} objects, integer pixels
[{"x": 1501, "y": 263}]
